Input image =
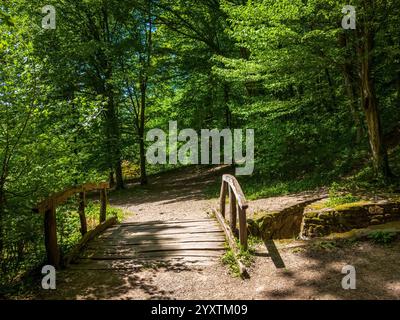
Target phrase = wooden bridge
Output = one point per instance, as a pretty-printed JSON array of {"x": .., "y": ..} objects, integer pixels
[
  {"x": 128, "y": 245},
  {"x": 113, "y": 245}
]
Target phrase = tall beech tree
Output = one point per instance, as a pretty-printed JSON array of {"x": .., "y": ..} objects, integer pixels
[{"x": 369, "y": 17}]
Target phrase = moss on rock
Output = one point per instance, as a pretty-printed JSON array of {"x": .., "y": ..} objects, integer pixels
[{"x": 349, "y": 216}]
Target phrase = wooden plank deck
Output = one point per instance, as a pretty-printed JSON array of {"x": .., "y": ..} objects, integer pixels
[{"x": 132, "y": 245}]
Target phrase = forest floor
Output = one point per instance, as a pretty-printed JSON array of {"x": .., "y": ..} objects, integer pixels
[{"x": 287, "y": 269}]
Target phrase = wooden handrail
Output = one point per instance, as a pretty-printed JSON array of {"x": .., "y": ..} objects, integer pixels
[
  {"x": 49, "y": 205},
  {"x": 237, "y": 206},
  {"x": 237, "y": 190},
  {"x": 60, "y": 197}
]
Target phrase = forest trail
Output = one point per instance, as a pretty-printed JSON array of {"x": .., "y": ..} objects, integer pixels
[
  {"x": 287, "y": 269},
  {"x": 175, "y": 195},
  {"x": 179, "y": 195}
]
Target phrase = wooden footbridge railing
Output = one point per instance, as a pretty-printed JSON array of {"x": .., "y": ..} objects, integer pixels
[
  {"x": 48, "y": 207},
  {"x": 237, "y": 208}
]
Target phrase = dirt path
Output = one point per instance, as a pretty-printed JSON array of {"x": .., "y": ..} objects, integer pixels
[
  {"x": 170, "y": 196},
  {"x": 281, "y": 269}
]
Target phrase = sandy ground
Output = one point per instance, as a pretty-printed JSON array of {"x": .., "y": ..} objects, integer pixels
[{"x": 290, "y": 269}]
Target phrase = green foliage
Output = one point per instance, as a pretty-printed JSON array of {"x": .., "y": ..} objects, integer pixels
[
  {"x": 76, "y": 102},
  {"x": 229, "y": 260},
  {"x": 258, "y": 186},
  {"x": 4, "y": 17},
  {"x": 337, "y": 198},
  {"x": 245, "y": 256},
  {"x": 253, "y": 242},
  {"x": 324, "y": 245},
  {"x": 382, "y": 237},
  {"x": 68, "y": 223},
  {"x": 24, "y": 246}
]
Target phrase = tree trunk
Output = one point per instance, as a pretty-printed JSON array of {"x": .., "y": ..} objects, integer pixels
[
  {"x": 103, "y": 205},
  {"x": 228, "y": 113},
  {"x": 378, "y": 149},
  {"x": 398, "y": 90},
  {"x": 142, "y": 150},
  {"x": 370, "y": 107},
  {"x": 143, "y": 174},
  {"x": 112, "y": 121},
  {"x": 2, "y": 213},
  {"x": 144, "y": 78},
  {"x": 331, "y": 90},
  {"x": 349, "y": 81},
  {"x": 81, "y": 211},
  {"x": 119, "y": 176},
  {"x": 114, "y": 137},
  {"x": 351, "y": 93},
  {"x": 354, "y": 113},
  {"x": 111, "y": 178}
]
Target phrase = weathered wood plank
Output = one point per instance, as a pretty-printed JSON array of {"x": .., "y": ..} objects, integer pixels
[
  {"x": 222, "y": 198},
  {"x": 161, "y": 237},
  {"x": 153, "y": 252},
  {"x": 161, "y": 230},
  {"x": 87, "y": 264},
  {"x": 151, "y": 258},
  {"x": 162, "y": 222},
  {"x": 150, "y": 249},
  {"x": 126, "y": 247},
  {"x": 98, "y": 244},
  {"x": 156, "y": 232},
  {"x": 127, "y": 238},
  {"x": 232, "y": 210},
  {"x": 243, "y": 228},
  {"x": 163, "y": 247},
  {"x": 160, "y": 254},
  {"x": 133, "y": 233},
  {"x": 210, "y": 225}
]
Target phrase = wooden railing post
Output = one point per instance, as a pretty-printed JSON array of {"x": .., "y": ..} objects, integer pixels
[
  {"x": 81, "y": 210},
  {"x": 237, "y": 206},
  {"x": 242, "y": 228},
  {"x": 222, "y": 199},
  {"x": 232, "y": 210},
  {"x": 103, "y": 205},
  {"x": 50, "y": 237}
]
